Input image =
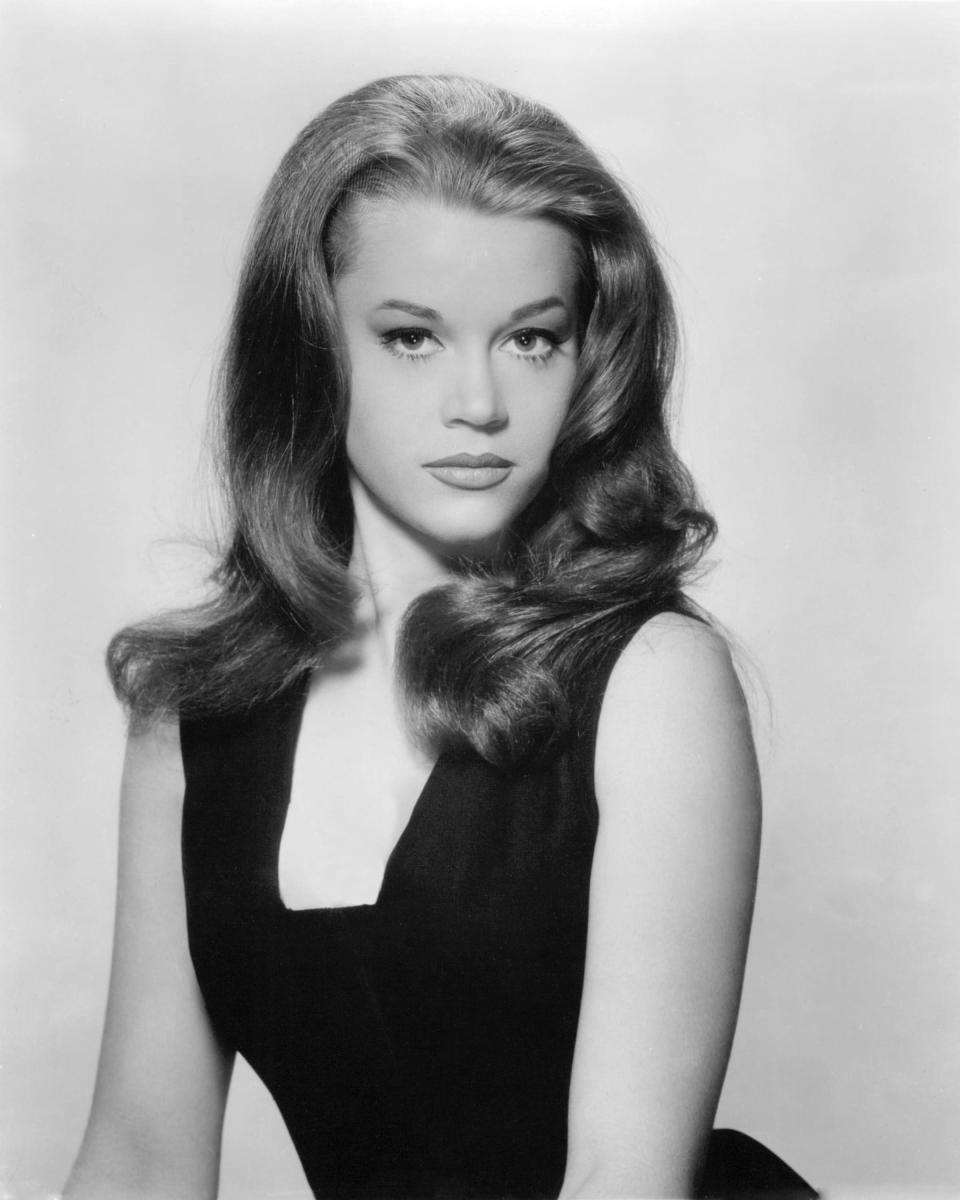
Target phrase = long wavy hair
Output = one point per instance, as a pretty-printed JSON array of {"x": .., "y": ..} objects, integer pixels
[{"x": 489, "y": 662}]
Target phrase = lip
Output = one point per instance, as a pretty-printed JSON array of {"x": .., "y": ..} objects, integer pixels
[
  {"x": 470, "y": 472},
  {"x": 474, "y": 462}
]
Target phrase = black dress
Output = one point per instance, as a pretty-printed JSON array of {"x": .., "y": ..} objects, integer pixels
[{"x": 420, "y": 1046}]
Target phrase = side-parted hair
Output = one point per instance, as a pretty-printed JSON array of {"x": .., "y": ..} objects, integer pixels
[{"x": 488, "y": 662}]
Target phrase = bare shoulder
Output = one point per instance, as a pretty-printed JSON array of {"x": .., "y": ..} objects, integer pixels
[
  {"x": 153, "y": 763},
  {"x": 151, "y": 809},
  {"x": 672, "y": 654},
  {"x": 674, "y": 709}
]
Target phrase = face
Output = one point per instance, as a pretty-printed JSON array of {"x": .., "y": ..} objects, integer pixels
[{"x": 460, "y": 329}]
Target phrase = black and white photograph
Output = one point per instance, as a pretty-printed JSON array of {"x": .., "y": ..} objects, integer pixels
[{"x": 478, "y": 561}]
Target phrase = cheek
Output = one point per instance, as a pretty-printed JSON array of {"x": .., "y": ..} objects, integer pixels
[
  {"x": 380, "y": 418},
  {"x": 541, "y": 417},
  {"x": 372, "y": 444}
]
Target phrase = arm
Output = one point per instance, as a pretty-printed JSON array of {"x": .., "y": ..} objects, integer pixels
[
  {"x": 154, "y": 1128},
  {"x": 671, "y": 900}
]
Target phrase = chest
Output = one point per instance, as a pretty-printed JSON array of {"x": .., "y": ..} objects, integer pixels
[{"x": 356, "y": 780}]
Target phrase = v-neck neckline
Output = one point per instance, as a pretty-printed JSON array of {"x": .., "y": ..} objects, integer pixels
[{"x": 414, "y": 818}]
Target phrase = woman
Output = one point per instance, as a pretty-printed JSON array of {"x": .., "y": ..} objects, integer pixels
[{"x": 456, "y": 836}]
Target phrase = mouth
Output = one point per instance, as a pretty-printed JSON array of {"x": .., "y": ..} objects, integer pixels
[
  {"x": 470, "y": 472},
  {"x": 475, "y": 462}
]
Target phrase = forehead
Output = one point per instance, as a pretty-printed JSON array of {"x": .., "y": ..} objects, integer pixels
[{"x": 455, "y": 258}]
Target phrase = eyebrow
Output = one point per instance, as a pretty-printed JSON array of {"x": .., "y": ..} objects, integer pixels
[{"x": 519, "y": 314}]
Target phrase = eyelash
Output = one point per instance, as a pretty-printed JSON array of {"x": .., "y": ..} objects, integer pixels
[{"x": 392, "y": 341}]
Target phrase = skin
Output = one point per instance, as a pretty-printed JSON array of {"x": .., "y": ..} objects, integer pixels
[
  {"x": 460, "y": 328},
  {"x": 675, "y": 863}
]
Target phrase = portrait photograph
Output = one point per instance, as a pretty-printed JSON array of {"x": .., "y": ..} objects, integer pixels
[{"x": 478, "y": 561}]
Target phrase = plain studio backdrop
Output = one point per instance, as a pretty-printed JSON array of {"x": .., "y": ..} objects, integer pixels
[{"x": 799, "y": 164}]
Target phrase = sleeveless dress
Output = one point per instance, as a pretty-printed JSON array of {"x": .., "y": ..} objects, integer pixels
[{"x": 420, "y": 1046}]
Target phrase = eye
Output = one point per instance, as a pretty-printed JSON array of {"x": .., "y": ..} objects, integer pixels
[
  {"x": 410, "y": 342},
  {"x": 534, "y": 344}
]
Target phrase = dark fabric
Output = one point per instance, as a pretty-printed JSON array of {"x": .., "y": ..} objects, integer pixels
[
  {"x": 739, "y": 1168},
  {"x": 420, "y": 1046}
]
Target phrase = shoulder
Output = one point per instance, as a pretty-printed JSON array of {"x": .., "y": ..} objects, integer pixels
[
  {"x": 671, "y": 656},
  {"x": 674, "y": 715},
  {"x": 153, "y": 766},
  {"x": 154, "y": 744}
]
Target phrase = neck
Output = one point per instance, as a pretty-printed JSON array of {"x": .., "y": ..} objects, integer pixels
[{"x": 392, "y": 566}]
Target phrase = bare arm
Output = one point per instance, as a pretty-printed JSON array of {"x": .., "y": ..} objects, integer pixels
[
  {"x": 671, "y": 900},
  {"x": 155, "y": 1125}
]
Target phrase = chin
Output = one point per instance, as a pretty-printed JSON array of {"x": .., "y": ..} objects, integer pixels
[
  {"x": 475, "y": 545},
  {"x": 478, "y": 536},
  {"x": 481, "y": 540}
]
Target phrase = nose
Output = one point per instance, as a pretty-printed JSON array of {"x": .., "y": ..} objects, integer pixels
[{"x": 474, "y": 396}]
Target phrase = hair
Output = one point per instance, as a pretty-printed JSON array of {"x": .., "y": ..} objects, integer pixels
[{"x": 489, "y": 662}]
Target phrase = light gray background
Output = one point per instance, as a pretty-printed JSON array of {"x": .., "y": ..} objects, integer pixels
[{"x": 800, "y": 165}]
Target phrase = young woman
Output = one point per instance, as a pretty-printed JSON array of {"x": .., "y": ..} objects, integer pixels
[{"x": 444, "y": 811}]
